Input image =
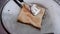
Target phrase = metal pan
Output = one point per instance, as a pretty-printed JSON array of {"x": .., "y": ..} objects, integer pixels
[{"x": 11, "y": 10}]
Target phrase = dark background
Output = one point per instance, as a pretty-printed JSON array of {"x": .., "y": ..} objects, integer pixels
[{"x": 2, "y": 31}]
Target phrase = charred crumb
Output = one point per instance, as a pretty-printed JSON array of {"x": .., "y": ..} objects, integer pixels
[{"x": 8, "y": 10}]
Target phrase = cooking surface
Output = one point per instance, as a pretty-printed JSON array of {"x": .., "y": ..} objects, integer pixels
[
  {"x": 1, "y": 29},
  {"x": 9, "y": 20}
]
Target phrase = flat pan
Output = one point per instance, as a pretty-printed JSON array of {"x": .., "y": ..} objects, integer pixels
[{"x": 11, "y": 11}]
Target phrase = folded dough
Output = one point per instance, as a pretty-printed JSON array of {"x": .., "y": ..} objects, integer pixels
[{"x": 26, "y": 16}]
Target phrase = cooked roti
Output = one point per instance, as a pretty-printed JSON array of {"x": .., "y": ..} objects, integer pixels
[{"x": 26, "y": 16}]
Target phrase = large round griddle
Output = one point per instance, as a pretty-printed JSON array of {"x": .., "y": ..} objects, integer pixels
[{"x": 10, "y": 13}]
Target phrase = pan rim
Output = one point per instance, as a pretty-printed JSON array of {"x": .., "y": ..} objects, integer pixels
[{"x": 1, "y": 17}]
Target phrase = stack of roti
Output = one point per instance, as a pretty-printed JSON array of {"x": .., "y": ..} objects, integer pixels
[{"x": 26, "y": 16}]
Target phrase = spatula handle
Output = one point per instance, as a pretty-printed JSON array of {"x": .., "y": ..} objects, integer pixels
[{"x": 18, "y": 2}]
